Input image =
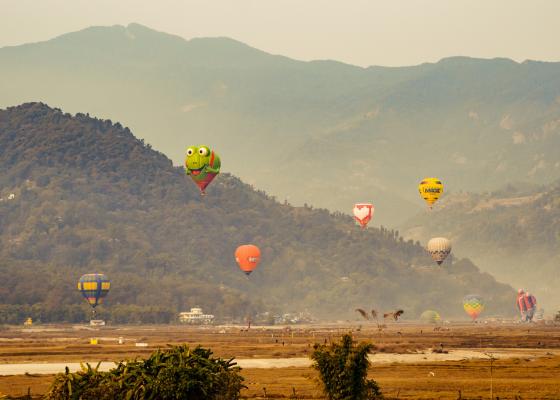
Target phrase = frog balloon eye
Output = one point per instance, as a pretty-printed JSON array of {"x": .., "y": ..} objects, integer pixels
[{"x": 202, "y": 165}]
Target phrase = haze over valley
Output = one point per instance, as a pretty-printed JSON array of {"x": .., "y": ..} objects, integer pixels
[{"x": 305, "y": 130}]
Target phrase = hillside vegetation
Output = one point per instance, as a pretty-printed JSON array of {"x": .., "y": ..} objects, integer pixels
[
  {"x": 82, "y": 195},
  {"x": 513, "y": 233},
  {"x": 305, "y": 130}
]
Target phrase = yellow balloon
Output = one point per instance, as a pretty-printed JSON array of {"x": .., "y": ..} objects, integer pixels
[{"x": 431, "y": 190}]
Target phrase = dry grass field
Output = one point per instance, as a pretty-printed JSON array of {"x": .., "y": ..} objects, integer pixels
[{"x": 528, "y": 364}]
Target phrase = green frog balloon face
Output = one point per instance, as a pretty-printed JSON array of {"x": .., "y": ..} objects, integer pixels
[{"x": 202, "y": 165}]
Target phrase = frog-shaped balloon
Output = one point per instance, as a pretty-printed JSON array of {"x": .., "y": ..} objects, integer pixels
[{"x": 202, "y": 165}]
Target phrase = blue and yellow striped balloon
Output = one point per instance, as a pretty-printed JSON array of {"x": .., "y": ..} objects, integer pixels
[{"x": 94, "y": 287}]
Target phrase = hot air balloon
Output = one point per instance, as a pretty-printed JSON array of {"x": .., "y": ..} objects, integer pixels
[
  {"x": 430, "y": 317},
  {"x": 431, "y": 190},
  {"x": 94, "y": 287},
  {"x": 439, "y": 248},
  {"x": 527, "y": 305},
  {"x": 363, "y": 212},
  {"x": 473, "y": 305},
  {"x": 202, "y": 164},
  {"x": 248, "y": 257}
]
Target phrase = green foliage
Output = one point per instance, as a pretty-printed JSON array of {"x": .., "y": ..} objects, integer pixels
[
  {"x": 343, "y": 369},
  {"x": 87, "y": 384},
  {"x": 90, "y": 197},
  {"x": 177, "y": 373}
]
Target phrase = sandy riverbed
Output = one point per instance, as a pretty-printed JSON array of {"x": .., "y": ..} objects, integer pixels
[{"x": 265, "y": 363}]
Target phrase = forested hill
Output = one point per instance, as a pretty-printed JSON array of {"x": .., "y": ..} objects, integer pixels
[
  {"x": 513, "y": 233},
  {"x": 82, "y": 195},
  {"x": 375, "y": 132}
]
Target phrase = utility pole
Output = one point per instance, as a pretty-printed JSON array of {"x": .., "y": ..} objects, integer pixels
[{"x": 491, "y": 357}]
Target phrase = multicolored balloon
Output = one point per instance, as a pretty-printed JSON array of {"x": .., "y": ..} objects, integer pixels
[
  {"x": 430, "y": 317},
  {"x": 439, "y": 248},
  {"x": 202, "y": 165},
  {"x": 363, "y": 213},
  {"x": 473, "y": 305},
  {"x": 431, "y": 190},
  {"x": 94, "y": 288},
  {"x": 526, "y": 304},
  {"x": 248, "y": 257}
]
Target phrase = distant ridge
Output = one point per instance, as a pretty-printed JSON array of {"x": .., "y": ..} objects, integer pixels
[{"x": 364, "y": 134}]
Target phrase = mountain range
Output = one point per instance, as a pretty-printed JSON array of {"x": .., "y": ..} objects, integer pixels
[
  {"x": 81, "y": 194},
  {"x": 322, "y": 132}
]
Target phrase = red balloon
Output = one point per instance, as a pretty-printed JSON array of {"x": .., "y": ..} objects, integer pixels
[{"x": 248, "y": 257}]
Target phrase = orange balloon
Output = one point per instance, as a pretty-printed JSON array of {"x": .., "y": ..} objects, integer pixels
[{"x": 248, "y": 257}]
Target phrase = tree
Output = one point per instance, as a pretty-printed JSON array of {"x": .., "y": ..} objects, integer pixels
[
  {"x": 177, "y": 373},
  {"x": 343, "y": 370}
]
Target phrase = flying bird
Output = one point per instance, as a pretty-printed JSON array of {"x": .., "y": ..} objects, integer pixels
[
  {"x": 395, "y": 314},
  {"x": 362, "y": 313}
]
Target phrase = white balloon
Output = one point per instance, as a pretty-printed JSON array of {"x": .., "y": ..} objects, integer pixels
[
  {"x": 363, "y": 213},
  {"x": 439, "y": 248}
]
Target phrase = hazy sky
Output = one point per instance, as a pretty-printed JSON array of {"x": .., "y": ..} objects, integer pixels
[{"x": 363, "y": 32}]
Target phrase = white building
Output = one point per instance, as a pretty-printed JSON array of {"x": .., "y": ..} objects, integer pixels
[{"x": 195, "y": 316}]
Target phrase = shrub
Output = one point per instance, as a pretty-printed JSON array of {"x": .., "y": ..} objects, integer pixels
[
  {"x": 343, "y": 370},
  {"x": 177, "y": 373},
  {"x": 87, "y": 384}
]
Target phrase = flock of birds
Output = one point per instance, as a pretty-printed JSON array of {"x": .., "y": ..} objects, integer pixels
[{"x": 395, "y": 315}]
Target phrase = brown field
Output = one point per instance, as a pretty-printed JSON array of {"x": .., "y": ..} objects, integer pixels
[{"x": 528, "y": 366}]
